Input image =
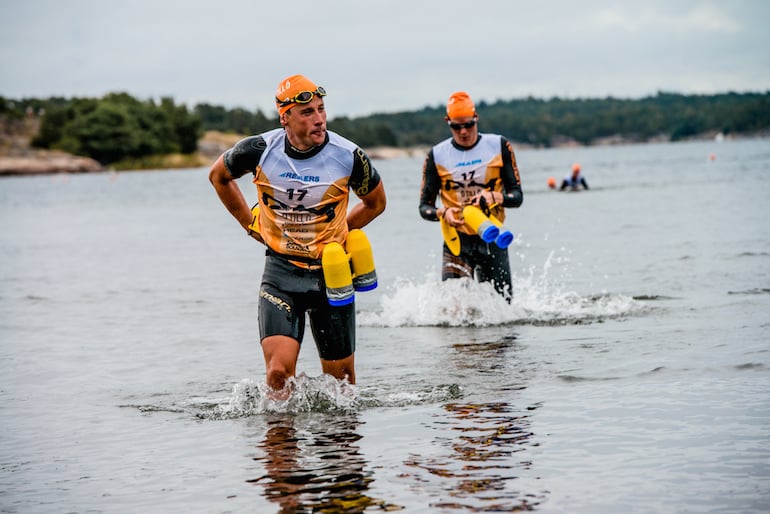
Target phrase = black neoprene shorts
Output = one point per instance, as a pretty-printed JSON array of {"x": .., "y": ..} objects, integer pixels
[{"x": 287, "y": 293}]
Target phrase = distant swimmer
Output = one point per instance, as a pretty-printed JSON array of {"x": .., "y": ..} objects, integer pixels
[
  {"x": 552, "y": 182},
  {"x": 574, "y": 181}
]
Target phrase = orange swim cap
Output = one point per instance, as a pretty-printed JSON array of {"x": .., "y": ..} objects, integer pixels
[
  {"x": 289, "y": 87},
  {"x": 551, "y": 182},
  {"x": 460, "y": 105},
  {"x": 576, "y": 167}
]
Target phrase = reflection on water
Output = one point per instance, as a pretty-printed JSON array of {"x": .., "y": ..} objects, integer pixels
[
  {"x": 480, "y": 449},
  {"x": 313, "y": 464},
  {"x": 482, "y": 460}
]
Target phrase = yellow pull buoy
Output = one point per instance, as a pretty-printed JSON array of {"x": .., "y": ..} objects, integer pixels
[
  {"x": 451, "y": 238},
  {"x": 362, "y": 259},
  {"x": 254, "y": 227},
  {"x": 488, "y": 228},
  {"x": 339, "y": 280},
  {"x": 347, "y": 272},
  {"x": 480, "y": 224},
  {"x": 505, "y": 237}
]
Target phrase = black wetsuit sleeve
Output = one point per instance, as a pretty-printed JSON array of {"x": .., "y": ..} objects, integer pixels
[
  {"x": 244, "y": 156},
  {"x": 585, "y": 184},
  {"x": 512, "y": 194},
  {"x": 364, "y": 177},
  {"x": 431, "y": 185}
]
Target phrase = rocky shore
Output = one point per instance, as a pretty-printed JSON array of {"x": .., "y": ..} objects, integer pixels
[
  {"x": 18, "y": 158},
  {"x": 45, "y": 162},
  {"x": 388, "y": 152}
]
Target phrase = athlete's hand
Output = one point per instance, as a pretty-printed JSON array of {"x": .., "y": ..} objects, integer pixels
[
  {"x": 454, "y": 216},
  {"x": 257, "y": 236},
  {"x": 251, "y": 230},
  {"x": 486, "y": 199}
]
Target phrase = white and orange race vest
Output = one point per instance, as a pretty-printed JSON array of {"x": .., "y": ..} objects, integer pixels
[
  {"x": 465, "y": 173},
  {"x": 304, "y": 202}
]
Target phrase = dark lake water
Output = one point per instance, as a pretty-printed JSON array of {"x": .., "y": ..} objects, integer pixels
[{"x": 630, "y": 374}]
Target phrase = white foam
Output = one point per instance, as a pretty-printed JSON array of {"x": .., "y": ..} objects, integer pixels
[
  {"x": 308, "y": 394},
  {"x": 540, "y": 297},
  {"x": 322, "y": 394}
]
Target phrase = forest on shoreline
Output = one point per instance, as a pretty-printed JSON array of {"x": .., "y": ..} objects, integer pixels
[
  {"x": 542, "y": 123},
  {"x": 124, "y": 132}
]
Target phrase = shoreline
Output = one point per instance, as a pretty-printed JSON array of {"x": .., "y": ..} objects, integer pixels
[
  {"x": 29, "y": 161},
  {"x": 394, "y": 152},
  {"x": 46, "y": 162}
]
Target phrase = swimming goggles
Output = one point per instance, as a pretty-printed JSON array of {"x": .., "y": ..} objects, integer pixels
[
  {"x": 458, "y": 126},
  {"x": 302, "y": 97}
]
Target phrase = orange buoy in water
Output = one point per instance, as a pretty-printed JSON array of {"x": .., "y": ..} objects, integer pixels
[{"x": 552, "y": 182}]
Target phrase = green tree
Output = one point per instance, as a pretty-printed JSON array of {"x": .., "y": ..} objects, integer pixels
[
  {"x": 117, "y": 127},
  {"x": 109, "y": 133}
]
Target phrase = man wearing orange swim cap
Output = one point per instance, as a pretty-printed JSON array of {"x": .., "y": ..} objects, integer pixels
[
  {"x": 304, "y": 175},
  {"x": 471, "y": 168},
  {"x": 574, "y": 181}
]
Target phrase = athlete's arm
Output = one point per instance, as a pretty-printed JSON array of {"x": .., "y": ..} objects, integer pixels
[
  {"x": 244, "y": 156},
  {"x": 371, "y": 206},
  {"x": 512, "y": 195},
  {"x": 230, "y": 194},
  {"x": 367, "y": 184},
  {"x": 239, "y": 160},
  {"x": 431, "y": 185}
]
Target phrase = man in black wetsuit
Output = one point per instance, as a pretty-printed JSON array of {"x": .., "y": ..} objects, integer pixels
[
  {"x": 304, "y": 175},
  {"x": 471, "y": 168}
]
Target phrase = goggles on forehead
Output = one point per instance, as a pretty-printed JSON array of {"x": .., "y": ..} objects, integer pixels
[
  {"x": 302, "y": 97},
  {"x": 458, "y": 126}
]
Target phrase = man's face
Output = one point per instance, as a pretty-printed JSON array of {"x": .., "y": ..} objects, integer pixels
[
  {"x": 306, "y": 124},
  {"x": 465, "y": 130}
]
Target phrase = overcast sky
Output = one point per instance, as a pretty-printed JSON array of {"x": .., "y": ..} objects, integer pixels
[{"x": 378, "y": 55}]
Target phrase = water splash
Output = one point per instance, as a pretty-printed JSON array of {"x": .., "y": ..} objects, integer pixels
[
  {"x": 539, "y": 298},
  {"x": 452, "y": 303},
  {"x": 308, "y": 394},
  {"x": 322, "y": 394}
]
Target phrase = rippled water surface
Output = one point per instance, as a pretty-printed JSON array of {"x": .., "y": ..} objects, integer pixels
[{"x": 630, "y": 374}]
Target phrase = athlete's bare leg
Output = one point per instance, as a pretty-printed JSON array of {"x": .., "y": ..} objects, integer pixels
[
  {"x": 341, "y": 368},
  {"x": 281, "y": 354}
]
